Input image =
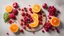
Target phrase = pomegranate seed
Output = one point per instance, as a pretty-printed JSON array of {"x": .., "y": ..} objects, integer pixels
[
  {"x": 10, "y": 21},
  {"x": 21, "y": 31},
  {"x": 43, "y": 31},
  {"x": 45, "y": 5},
  {"x": 15, "y": 5},
  {"x": 7, "y": 33},
  {"x": 28, "y": 26},
  {"x": 23, "y": 14},
  {"x": 15, "y": 11}
]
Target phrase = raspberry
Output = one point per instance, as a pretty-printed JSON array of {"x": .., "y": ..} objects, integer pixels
[
  {"x": 15, "y": 11},
  {"x": 23, "y": 14},
  {"x": 45, "y": 5},
  {"x": 15, "y": 5},
  {"x": 12, "y": 16},
  {"x": 10, "y": 21},
  {"x": 21, "y": 31}
]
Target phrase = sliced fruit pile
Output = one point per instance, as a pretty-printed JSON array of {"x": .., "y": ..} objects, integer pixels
[
  {"x": 53, "y": 21},
  {"x": 33, "y": 18}
]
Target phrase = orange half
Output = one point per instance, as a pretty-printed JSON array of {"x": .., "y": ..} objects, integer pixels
[
  {"x": 8, "y": 8},
  {"x": 36, "y": 8},
  {"x": 14, "y": 28},
  {"x": 55, "y": 21}
]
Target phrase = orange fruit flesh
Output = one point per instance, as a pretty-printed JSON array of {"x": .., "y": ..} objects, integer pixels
[
  {"x": 8, "y": 8},
  {"x": 55, "y": 21},
  {"x": 14, "y": 28},
  {"x": 35, "y": 18},
  {"x": 36, "y": 8}
]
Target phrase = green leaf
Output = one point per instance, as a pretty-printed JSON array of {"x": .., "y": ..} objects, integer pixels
[{"x": 6, "y": 18}]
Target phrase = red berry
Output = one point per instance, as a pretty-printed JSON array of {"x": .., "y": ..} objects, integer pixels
[
  {"x": 22, "y": 9},
  {"x": 30, "y": 9},
  {"x": 40, "y": 17},
  {"x": 15, "y": 11},
  {"x": 15, "y": 5},
  {"x": 45, "y": 5},
  {"x": 57, "y": 30},
  {"x": 7, "y": 33},
  {"x": 10, "y": 21},
  {"x": 19, "y": 9},
  {"x": 28, "y": 26},
  {"x": 25, "y": 9},
  {"x": 24, "y": 27},
  {"x": 43, "y": 31},
  {"x": 40, "y": 22},
  {"x": 23, "y": 14},
  {"x": 22, "y": 20},
  {"x": 12, "y": 16},
  {"x": 33, "y": 32},
  {"x": 21, "y": 24},
  {"x": 21, "y": 31}
]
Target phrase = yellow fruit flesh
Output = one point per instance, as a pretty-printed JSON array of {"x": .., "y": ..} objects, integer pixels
[
  {"x": 36, "y": 8},
  {"x": 8, "y": 8},
  {"x": 55, "y": 21},
  {"x": 14, "y": 28}
]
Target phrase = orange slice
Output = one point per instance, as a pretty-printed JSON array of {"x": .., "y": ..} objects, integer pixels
[
  {"x": 34, "y": 16},
  {"x": 14, "y": 28},
  {"x": 36, "y": 8},
  {"x": 36, "y": 21},
  {"x": 55, "y": 21},
  {"x": 34, "y": 24},
  {"x": 8, "y": 8}
]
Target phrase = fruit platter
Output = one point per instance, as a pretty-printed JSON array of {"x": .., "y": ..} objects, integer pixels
[{"x": 31, "y": 18}]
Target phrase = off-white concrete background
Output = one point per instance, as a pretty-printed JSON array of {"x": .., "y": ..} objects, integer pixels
[{"x": 4, "y": 27}]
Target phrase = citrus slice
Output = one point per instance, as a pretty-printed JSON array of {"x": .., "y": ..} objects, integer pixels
[
  {"x": 14, "y": 28},
  {"x": 8, "y": 8},
  {"x": 55, "y": 21},
  {"x": 34, "y": 24},
  {"x": 35, "y": 18},
  {"x": 36, "y": 8}
]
